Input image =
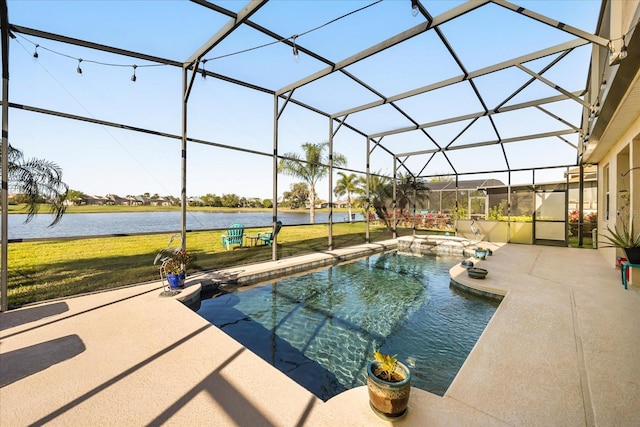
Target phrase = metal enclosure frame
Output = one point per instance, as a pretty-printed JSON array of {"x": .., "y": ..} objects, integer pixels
[{"x": 194, "y": 65}]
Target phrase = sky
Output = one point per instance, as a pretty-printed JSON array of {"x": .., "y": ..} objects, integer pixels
[{"x": 100, "y": 159}]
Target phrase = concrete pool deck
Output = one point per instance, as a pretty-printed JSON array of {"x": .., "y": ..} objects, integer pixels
[{"x": 563, "y": 348}]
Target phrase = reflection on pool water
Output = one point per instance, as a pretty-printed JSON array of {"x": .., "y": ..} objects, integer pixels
[{"x": 321, "y": 329}]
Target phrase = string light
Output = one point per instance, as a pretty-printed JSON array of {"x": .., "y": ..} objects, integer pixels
[
  {"x": 623, "y": 50},
  {"x": 133, "y": 77},
  {"x": 414, "y": 8},
  {"x": 296, "y": 57},
  {"x": 204, "y": 73},
  {"x": 295, "y": 50}
]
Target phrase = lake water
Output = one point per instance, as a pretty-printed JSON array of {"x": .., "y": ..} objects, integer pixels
[{"x": 142, "y": 222}]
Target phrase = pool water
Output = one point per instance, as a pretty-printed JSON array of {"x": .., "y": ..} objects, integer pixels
[{"x": 321, "y": 329}]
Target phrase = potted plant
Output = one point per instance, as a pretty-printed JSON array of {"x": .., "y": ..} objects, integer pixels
[
  {"x": 174, "y": 262},
  {"x": 626, "y": 239},
  {"x": 481, "y": 253},
  {"x": 389, "y": 384},
  {"x": 175, "y": 268},
  {"x": 477, "y": 273}
]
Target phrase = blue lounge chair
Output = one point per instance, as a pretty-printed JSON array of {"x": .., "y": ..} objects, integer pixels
[
  {"x": 266, "y": 237},
  {"x": 234, "y": 236}
]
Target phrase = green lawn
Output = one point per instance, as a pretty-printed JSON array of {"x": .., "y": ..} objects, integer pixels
[{"x": 45, "y": 270}]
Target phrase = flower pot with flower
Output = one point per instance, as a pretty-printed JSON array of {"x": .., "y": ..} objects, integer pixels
[
  {"x": 175, "y": 268},
  {"x": 173, "y": 264},
  {"x": 389, "y": 385}
]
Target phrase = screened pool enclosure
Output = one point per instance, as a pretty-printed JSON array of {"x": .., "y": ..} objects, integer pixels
[{"x": 487, "y": 102}]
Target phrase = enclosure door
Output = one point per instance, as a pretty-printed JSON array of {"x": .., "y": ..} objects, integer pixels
[{"x": 550, "y": 218}]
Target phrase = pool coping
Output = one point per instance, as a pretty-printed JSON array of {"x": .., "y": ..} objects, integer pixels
[{"x": 561, "y": 348}]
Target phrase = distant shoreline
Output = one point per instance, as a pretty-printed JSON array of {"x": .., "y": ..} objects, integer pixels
[{"x": 20, "y": 209}]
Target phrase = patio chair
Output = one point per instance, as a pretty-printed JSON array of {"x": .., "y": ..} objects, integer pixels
[
  {"x": 234, "y": 236},
  {"x": 266, "y": 237}
]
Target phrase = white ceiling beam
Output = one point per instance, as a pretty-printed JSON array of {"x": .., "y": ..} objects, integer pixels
[
  {"x": 480, "y": 72},
  {"x": 554, "y": 86},
  {"x": 552, "y": 22},
  {"x": 534, "y": 103},
  {"x": 492, "y": 142},
  {"x": 398, "y": 38},
  {"x": 252, "y": 7}
]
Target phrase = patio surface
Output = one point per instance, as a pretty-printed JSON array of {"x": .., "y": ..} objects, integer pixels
[{"x": 563, "y": 348}]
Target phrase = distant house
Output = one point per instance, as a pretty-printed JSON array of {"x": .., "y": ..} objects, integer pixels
[
  {"x": 87, "y": 201},
  {"x": 319, "y": 204},
  {"x": 164, "y": 201},
  {"x": 194, "y": 201},
  {"x": 101, "y": 200},
  {"x": 114, "y": 199}
]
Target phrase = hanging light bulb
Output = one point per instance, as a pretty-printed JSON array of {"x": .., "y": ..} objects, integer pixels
[
  {"x": 35, "y": 52},
  {"x": 133, "y": 77},
  {"x": 204, "y": 73},
  {"x": 623, "y": 50},
  {"x": 611, "y": 49},
  {"x": 296, "y": 57},
  {"x": 414, "y": 8},
  {"x": 79, "y": 70}
]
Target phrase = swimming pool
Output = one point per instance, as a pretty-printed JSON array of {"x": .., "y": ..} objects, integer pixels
[{"x": 321, "y": 329}]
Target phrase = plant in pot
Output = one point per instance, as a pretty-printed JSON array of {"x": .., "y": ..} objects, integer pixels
[
  {"x": 174, "y": 263},
  {"x": 175, "y": 268},
  {"x": 624, "y": 238},
  {"x": 389, "y": 384},
  {"x": 481, "y": 253}
]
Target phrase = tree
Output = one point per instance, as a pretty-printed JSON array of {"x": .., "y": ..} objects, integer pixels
[
  {"x": 310, "y": 169},
  {"x": 267, "y": 203},
  {"x": 75, "y": 196},
  {"x": 347, "y": 184},
  {"x": 23, "y": 199},
  {"x": 380, "y": 191},
  {"x": 230, "y": 200},
  {"x": 297, "y": 197},
  {"x": 442, "y": 178},
  {"x": 37, "y": 179},
  {"x": 408, "y": 189},
  {"x": 211, "y": 200}
]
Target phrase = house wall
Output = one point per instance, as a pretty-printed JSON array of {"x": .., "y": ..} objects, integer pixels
[{"x": 623, "y": 156}]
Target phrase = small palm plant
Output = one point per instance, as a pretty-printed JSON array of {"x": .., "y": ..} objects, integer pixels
[{"x": 387, "y": 364}]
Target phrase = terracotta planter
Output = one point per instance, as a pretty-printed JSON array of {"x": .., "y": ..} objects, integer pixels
[{"x": 389, "y": 399}]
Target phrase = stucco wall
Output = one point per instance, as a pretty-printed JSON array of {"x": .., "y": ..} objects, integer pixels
[{"x": 624, "y": 155}]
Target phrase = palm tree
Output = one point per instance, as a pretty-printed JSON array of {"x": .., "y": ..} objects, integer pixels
[
  {"x": 37, "y": 179},
  {"x": 310, "y": 169},
  {"x": 408, "y": 188},
  {"x": 347, "y": 184}
]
